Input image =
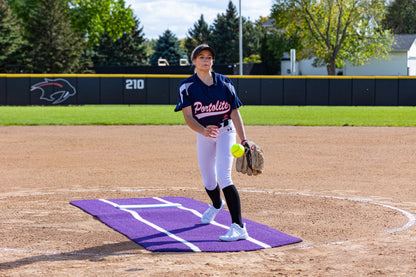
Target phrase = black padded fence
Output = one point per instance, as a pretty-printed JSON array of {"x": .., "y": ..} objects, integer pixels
[{"x": 55, "y": 89}]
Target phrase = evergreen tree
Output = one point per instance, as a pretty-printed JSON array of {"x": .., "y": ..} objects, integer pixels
[
  {"x": 132, "y": 46},
  {"x": 167, "y": 47},
  {"x": 54, "y": 46},
  {"x": 103, "y": 52},
  {"x": 271, "y": 61},
  {"x": 23, "y": 8},
  {"x": 129, "y": 50},
  {"x": 401, "y": 17},
  {"x": 273, "y": 46},
  {"x": 11, "y": 41},
  {"x": 253, "y": 34},
  {"x": 198, "y": 35},
  {"x": 224, "y": 36}
]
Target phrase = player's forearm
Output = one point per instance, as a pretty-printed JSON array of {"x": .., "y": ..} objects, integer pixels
[
  {"x": 193, "y": 124},
  {"x": 238, "y": 123},
  {"x": 208, "y": 131}
]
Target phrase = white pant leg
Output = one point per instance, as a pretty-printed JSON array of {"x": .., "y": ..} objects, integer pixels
[
  {"x": 215, "y": 159},
  {"x": 226, "y": 139},
  {"x": 206, "y": 159}
]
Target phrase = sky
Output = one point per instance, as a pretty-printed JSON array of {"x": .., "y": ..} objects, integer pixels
[{"x": 156, "y": 16}]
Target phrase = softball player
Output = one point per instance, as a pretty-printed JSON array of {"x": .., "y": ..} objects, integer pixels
[{"x": 210, "y": 105}]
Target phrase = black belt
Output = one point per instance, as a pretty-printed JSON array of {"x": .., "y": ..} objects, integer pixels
[{"x": 222, "y": 124}]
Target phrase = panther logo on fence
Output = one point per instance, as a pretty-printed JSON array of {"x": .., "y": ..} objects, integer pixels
[{"x": 55, "y": 90}]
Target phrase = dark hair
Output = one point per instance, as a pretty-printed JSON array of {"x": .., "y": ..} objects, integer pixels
[{"x": 201, "y": 47}]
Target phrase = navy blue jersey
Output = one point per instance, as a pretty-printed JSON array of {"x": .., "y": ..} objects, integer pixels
[{"x": 210, "y": 104}]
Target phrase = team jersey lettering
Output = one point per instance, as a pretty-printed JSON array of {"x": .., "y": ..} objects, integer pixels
[{"x": 201, "y": 111}]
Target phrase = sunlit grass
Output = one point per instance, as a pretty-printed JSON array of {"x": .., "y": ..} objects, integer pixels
[{"x": 164, "y": 115}]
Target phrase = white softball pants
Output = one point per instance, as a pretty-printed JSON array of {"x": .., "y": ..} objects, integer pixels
[{"x": 215, "y": 158}]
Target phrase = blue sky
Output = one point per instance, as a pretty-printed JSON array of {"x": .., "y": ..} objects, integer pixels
[{"x": 156, "y": 16}]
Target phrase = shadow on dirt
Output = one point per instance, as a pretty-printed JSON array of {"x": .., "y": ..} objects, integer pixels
[{"x": 94, "y": 254}]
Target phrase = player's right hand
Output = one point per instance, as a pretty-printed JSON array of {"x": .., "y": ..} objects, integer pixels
[{"x": 211, "y": 131}]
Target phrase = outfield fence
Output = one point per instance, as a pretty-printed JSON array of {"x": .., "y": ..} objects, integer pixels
[{"x": 71, "y": 89}]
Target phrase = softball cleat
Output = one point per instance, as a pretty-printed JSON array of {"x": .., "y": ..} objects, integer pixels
[
  {"x": 210, "y": 214},
  {"x": 235, "y": 233}
]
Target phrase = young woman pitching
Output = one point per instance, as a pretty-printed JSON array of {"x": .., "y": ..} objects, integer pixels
[{"x": 210, "y": 105}]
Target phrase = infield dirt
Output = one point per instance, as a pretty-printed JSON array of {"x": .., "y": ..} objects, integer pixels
[{"x": 348, "y": 192}]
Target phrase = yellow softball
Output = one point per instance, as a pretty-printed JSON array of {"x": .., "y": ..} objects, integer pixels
[{"x": 237, "y": 150}]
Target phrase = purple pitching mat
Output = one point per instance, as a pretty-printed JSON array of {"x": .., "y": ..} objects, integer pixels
[{"x": 174, "y": 224}]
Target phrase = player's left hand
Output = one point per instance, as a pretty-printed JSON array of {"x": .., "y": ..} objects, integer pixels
[{"x": 252, "y": 161}]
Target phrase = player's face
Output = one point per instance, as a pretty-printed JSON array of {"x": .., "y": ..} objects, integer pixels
[{"x": 204, "y": 60}]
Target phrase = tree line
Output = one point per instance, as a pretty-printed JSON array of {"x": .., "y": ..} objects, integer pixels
[{"x": 61, "y": 36}]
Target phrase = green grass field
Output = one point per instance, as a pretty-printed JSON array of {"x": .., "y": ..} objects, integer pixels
[{"x": 164, "y": 115}]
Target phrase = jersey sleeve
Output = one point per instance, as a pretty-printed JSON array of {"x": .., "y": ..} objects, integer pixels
[
  {"x": 234, "y": 100},
  {"x": 184, "y": 97}
]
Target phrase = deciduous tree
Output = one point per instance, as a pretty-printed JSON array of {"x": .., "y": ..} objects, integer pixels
[
  {"x": 96, "y": 17},
  {"x": 336, "y": 31},
  {"x": 91, "y": 18}
]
